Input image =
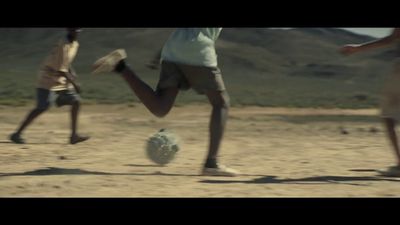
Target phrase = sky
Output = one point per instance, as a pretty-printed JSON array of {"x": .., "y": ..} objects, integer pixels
[
  {"x": 377, "y": 32},
  {"x": 374, "y": 32}
]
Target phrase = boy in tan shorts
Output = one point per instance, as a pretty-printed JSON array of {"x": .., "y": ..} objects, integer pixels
[
  {"x": 57, "y": 77},
  {"x": 189, "y": 60},
  {"x": 390, "y": 105}
]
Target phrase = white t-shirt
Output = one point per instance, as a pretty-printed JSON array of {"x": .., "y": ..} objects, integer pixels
[{"x": 192, "y": 46}]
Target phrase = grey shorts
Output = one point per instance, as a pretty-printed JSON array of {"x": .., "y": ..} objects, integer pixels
[
  {"x": 64, "y": 97},
  {"x": 184, "y": 77}
]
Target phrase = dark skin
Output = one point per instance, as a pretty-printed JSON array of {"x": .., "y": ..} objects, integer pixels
[
  {"x": 160, "y": 102},
  {"x": 155, "y": 63},
  {"x": 72, "y": 36},
  {"x": 389, "y": 123}
]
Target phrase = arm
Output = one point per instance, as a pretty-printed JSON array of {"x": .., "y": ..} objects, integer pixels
[
  {"x": 155, "y": 62},
  {"x": 67, "y": 76},
  {"x": 72, "y": 72},
  {"x": 355, "y": 48}
]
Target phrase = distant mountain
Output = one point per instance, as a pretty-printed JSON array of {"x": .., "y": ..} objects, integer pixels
[
  {"x": 259, "y": 49},
  {"x": 246, "y": 55}
]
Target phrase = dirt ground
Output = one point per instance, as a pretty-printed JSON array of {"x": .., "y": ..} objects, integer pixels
[{"x": 281, "y": 153}]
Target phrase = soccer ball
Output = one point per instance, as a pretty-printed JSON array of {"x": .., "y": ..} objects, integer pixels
[{"x": 162, "y": 147}]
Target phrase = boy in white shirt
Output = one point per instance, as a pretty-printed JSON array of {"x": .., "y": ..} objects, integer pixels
[{"x": 188, "y": 60}]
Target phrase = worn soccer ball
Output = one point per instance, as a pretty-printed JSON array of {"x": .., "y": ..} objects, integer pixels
[{"x": 162, "y": 147}]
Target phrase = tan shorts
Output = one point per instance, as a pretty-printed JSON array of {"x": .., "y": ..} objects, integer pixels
[
  {"x": 390, "y": 104},
  {"x": 184, "y": 77}
]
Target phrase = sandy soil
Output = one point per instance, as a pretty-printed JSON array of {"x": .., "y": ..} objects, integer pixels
[{"x": 281, "y": 153}]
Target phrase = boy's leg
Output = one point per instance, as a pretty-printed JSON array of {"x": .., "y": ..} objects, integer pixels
[
  {"x": 219, "y": 116},
  {"x": 390, "y": 125},
  {"x": 16, "y": 137},
  {"x": 74, "y": 118},
  {"x": 209, "y": 81},
  {"x": 42, "y": 105},
  {"x": 75, "y": 138},
  {"x": 70, "y": 97},
  {"x": 158, "y": 102}
]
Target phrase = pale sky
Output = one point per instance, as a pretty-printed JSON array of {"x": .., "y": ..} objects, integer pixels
[{"x": 375, "y": 32}]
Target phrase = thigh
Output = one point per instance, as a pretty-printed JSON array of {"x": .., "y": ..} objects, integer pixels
[
  {"x": 171, "y": 77},
  {"x": 204, "y": 79}
]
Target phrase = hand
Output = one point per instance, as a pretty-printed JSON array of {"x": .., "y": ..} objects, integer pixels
[
  {"x": 77, "y": 88},
  {"x": 349, "y": 49},
  {"x": 72, "y": 72},
  {"x": 154, "y": 65}
]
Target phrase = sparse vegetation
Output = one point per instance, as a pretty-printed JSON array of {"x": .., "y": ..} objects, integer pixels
[{"x": 263, "y": 67}]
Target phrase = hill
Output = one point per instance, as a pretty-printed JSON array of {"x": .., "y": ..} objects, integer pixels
[{"x": 268, "y": 67}]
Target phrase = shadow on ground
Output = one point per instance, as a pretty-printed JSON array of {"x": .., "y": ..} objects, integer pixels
[
  {"x": 52, "y": 171},
  {"x": 308, "y": 180}
]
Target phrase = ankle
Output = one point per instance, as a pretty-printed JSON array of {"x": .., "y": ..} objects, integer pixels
[
  {"x": 211, "y": 163},
  {"x": 120, "y": 67}
]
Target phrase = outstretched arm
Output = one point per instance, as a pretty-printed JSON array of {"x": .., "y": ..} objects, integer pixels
[
  {"x": 155, "y": 62},
  {"x": 354, "y": 48}
]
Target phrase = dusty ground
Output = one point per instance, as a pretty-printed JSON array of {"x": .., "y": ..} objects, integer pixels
[{"x": 281, "y": 152}]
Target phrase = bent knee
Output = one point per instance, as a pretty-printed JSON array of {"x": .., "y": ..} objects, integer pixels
[{"x": 160, "y": 113}]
